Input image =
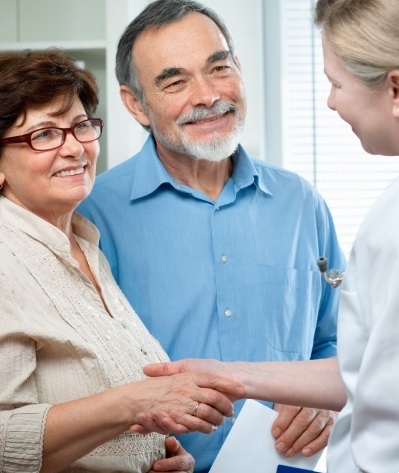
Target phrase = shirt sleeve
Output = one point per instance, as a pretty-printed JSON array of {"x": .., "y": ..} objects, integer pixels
[
  {"x": 21, "y": 438},
  {"x": 325, "y": 340},
  {"x": 22, "y": 417}
]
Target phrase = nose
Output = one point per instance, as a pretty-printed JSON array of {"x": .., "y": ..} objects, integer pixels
[
  {"x": 204, "y": 92},
  {"x": 331, "y": 100},
  {"x": 71, "y": 146}
]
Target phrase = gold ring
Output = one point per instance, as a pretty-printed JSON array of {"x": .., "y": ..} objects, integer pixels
[{"x": 194, "y": 414}]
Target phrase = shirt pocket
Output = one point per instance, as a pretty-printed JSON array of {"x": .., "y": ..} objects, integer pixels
[{"x": 291, "y": 298}]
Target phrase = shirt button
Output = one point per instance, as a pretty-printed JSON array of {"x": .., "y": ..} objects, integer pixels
[
  {"x": 227, "y": 313},
  {"x": 224, "y": 258}
]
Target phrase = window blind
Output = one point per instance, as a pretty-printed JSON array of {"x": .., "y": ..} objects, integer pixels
[{"x": 317, "y": 144}]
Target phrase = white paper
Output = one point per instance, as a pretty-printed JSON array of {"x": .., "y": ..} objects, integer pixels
[{"x": 250, "y": 445}]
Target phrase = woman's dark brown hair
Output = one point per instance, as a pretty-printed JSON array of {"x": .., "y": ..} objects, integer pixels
[{"x": 29, "y": 78}]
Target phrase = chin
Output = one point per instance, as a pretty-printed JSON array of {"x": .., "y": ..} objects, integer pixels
[
  {"x": 76, "y": 198},
  {"x": 369, "y": 150},
  {"x": 376, "y": 150}
]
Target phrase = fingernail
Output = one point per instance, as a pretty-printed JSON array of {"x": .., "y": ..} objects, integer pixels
[
  {"x": 214, "y": 428},
  {"x": 276, "y": 432},
  {"x": 289, "y": 453},
  {"x": 281, "y": 447},
  {"x": 306, "y": 452}
]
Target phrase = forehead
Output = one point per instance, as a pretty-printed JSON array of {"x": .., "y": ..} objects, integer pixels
[
  {"x": 49, "y": 112},
  {"x": 331, "y": 61},
  {"x": 355, "y": 88},
  {"x": 192, "y": 39}
]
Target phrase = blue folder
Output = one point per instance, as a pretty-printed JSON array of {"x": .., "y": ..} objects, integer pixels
[{"x": 292, "y": 469}]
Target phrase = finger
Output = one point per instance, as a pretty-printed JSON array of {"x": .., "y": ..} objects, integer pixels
[
  {"x": 178, "y": 460},
  {"x": 216, "y": 400},
  {"x": 209, "y": 414},
  {"x": 316, "y": 436},
  {"x": 172, "y": 445},
  {"x": 165, "y": 423},
  {"x": 164, "y": 427},
  {"x": 319, "y": 444},
  {"x": 300, "y": 422},
  {"x": 186, "y": 420},
  {"x": 309, "y": 426},
  {"x": 309, "y": 448},
  {"x": 174, "y": 449},
  {"x": 139, "y": 429},
  {"x": 163, "y": 369},
  {"x": 286, "y": 414},
  {"x": 224, "y": 385},
  {"x": 147, "y": 423}
]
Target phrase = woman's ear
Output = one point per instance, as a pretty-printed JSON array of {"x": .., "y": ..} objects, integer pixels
[
  {"x": 2, "y": 180},
  {"x": 393, "y": 82},
  {"x": 133, "y": 105}
]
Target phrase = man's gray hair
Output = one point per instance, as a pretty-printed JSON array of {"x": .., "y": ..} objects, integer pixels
[{"x": 155, "y": 15}]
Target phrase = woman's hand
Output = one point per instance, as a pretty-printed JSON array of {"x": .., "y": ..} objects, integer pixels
[
  {"x": 177, "y": 459},
  {"x": 181, "y": 403},
  {"x": 194, "y": 365}
]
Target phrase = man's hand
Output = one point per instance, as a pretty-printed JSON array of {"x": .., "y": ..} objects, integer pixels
[
  {"x": 302, "y": 430},
  {"x": 177, "y": 459}
]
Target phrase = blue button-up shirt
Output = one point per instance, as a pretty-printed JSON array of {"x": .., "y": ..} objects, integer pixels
[{"x": 235, "y": 279}]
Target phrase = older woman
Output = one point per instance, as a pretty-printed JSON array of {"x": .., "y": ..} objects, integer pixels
[{"x": 71, "y": 347}]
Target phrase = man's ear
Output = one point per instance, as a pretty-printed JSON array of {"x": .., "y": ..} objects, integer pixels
[
  {"x": 237, "y": 62},
  {"x": 393, "y": 82},
  {"x": 133, "y": 105}
]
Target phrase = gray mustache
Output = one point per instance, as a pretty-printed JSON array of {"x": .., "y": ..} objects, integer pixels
[{"x": 204, "y": 112}]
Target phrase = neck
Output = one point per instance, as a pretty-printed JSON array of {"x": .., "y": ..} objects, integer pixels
[{"x": 207, "y": 177}]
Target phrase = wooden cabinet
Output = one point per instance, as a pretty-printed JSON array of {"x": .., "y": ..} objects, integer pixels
[{"x": 89, "y": 30}]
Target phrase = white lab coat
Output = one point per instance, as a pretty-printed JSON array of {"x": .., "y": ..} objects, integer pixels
[{"x": 366, "y": 436}]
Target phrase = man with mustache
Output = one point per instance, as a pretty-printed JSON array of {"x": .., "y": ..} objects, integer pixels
[{"x": 216, "y": 251}]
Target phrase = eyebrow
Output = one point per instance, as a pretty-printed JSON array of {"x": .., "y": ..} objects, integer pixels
[
  {"x": 175, "y": 71},
  {"x": 167, "y": 73},
  {"x": 219, "y": 56},
  {"x": 52, "y": 124}
]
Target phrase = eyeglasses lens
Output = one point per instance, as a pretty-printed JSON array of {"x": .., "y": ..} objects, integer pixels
[{"x": 49, "y": 138}]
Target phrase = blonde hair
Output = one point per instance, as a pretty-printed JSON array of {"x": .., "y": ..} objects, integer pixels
[{"x": 364, "y": 34}]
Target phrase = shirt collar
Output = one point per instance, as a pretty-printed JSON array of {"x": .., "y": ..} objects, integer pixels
[
  {"x": 245, "y": 172},
  {"x": 150, "y": 173}
]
